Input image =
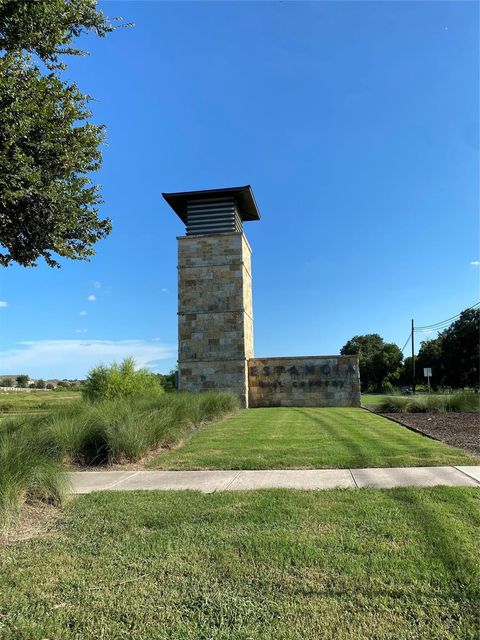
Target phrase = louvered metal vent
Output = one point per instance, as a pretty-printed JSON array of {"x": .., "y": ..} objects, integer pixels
[
  {"x": 213, "y": 215},
  {"x": 214, "y": 210}
]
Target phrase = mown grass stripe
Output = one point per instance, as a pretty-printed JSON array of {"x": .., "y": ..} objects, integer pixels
[{"x": 330, "y": 438}]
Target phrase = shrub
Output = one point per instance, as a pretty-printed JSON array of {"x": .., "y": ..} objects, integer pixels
[{"x": 120, "y": 380}]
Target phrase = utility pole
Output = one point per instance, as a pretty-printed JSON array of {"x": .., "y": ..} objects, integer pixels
[{"x": 413, "y": 358}]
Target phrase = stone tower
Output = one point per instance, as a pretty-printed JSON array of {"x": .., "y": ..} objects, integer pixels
[{"x": 215, "y": 317}]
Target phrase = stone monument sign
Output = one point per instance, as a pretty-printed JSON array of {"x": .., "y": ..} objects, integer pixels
[{"x": 215, "y": 317}]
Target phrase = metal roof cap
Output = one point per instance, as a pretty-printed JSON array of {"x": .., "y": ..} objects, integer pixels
[{"x": 243, "y": 197}]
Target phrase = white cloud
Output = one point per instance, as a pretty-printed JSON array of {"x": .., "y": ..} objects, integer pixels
[
  {"x": 74, "y": 358},
  {"x": 96, "y": 284},
  {"x": 3, "y": 303},
  {"x": 81, "y": 330},
  {"x": 164, "y": 290},
  {"x": 475, "y": 263},
  {"x": 92, "y": 298},
  {"x": 83, "y": 313}
]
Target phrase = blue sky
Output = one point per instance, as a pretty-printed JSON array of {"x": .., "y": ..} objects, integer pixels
[{"x": 356, "y": 125}]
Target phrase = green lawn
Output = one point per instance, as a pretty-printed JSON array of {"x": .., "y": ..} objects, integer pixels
[
  {"x": 282, "y": 438},
  {"x": 373, "y": 398},
  {"x": 15, "y": 402},
  {"x": 341, "y": 564}
]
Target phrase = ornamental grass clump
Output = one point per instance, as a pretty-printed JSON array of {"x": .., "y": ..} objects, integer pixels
[
  {"x": 76, "y": 433},
  {"x": 460, "y": 401},
  {"x": 34, "y": 449},
  {"x": 120, "y": 430},
  {"x": 123, "y": 415},
  {"x": 393, "y": 404},
  {"x": 131, "y": 428},
  {"x": 26, "y": 473}
]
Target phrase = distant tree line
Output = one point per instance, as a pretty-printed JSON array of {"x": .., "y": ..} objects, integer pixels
[
  {"x": 453, "y": 357},
  {"x": 166, "y": 380},
  {"x": 23, "y": 382}
]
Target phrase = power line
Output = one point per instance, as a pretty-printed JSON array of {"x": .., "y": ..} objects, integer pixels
[
  {"x": 439, "y": 325},
  {"x": 448, "y": 320},
  {"x": 406, "y": 343},
  {"x": 436, "y": 326}
]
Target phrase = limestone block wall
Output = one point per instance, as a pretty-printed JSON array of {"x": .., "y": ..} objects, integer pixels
[
  {"x": 215, "y": 375},
  {"x": 313, "y": 381},
  {"x": 215, "y": 320}
]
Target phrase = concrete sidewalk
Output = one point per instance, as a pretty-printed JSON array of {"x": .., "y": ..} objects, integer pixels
[{"x": 306, "y": 479}]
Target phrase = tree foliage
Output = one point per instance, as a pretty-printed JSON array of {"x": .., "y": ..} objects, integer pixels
[
  {"x": 47, "y": 28},
  {"x": 49, "y": 206},
  {"x": 22, "y": 381},
  {"x": 48, "y": 203},
  {"x": 168, "y": 380},
  {"x": 380, "y": 361},
  {"x": 454, "y": 355},
  {"x": 429, "y": 355}
]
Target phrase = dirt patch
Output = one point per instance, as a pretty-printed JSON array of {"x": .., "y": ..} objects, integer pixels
[
  {"x": 456, "y": 429},
  {"x": 37, "y": 519}
]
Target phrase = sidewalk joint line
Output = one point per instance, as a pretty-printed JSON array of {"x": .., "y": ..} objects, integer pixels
[
  {"x": 134, "y": 473},
  {"x": 353, "y": 478},
  {"x": 467, "y": 474},
  {"x": 231, "y": 481}
]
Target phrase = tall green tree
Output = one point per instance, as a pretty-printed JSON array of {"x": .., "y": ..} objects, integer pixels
[
  {"x": 380, "y": 361},
  {"x": 22, "y": 380},
  {"x": 453, "y": 355},
  {"x": 430, "y": 355},
  {"x": 168, "y": 380},
  {"x": 461, "y": 350},
  {"x": 49, "y": 206}
]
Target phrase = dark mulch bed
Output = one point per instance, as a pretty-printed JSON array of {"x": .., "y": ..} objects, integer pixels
[{"x": 457, "y": 429}]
